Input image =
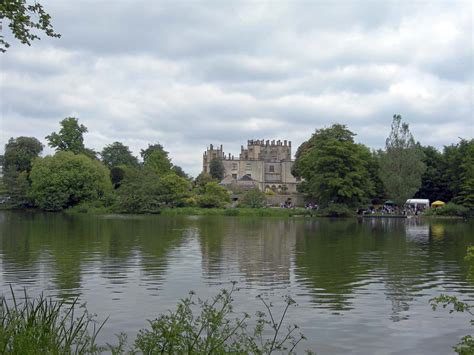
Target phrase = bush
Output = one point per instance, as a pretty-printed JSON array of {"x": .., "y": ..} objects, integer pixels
[
  {"x": 214, "y": 196},
  {"x": 336, "y": 210},
  {"x": 44, "y": 326},
  {"x": 253, "y": 198},
  {"x": 450, "y": 209}
]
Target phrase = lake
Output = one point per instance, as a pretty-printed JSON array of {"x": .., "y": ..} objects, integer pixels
[{"x": 362, "y": 286}]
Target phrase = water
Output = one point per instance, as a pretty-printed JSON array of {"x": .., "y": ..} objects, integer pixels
[{"x": 362, "y": 286}]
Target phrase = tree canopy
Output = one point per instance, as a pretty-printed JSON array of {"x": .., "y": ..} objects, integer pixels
[
  {"x": 116, "y": 154},
  {"x": 66, "y": 179},
  {"x": 401, "y": 164},
  {"x": 20, "y": 152},
  {"x": 333, "y": 167},
  {"x": 156, "y": 159},
  {"x": 23, "y": 20},
  {"x": 70, "y": 136},
  {"x": 216, "y": 169}
]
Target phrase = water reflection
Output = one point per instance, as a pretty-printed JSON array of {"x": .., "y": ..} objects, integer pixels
[{"x": 375, "y": 272}]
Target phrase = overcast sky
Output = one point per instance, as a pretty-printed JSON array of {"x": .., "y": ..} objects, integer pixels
[{"x": 186, "y": 74}]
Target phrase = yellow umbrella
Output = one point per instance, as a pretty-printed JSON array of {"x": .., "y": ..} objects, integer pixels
[{"x": 437, "y": 204}]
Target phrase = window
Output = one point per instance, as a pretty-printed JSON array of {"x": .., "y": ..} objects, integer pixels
[
  {"x": 248, "y": 166},
  {"x": 271, "y": 168},
  {"x": 234, "y": 166},
  {"x": 234, "y": 176}
]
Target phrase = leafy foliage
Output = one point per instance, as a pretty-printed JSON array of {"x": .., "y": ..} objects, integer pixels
[
  {"x": 70, "y": 136},
  {"x": 65, "y": 179},
  {"x": 23, "y": 19},
  {"x": 449, "y": 209},
  {"x": 45, "y": 326},
  {"x": 214, "y": 331},
  {"x": 434, "y": 185},
  {"x": 214, "y": 196},
  {"x": 116, "y": 154},
  {"x": 333, "y": 167},
  {"x": 216, "y": 169},
  {"x": 155, "y": 158},
  {"x": 401, "y": 164},
  {"x": 17, "y": 161},
  {"x": 253, "y": 198}
]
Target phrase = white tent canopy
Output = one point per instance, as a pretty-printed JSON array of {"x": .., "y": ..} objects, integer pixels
[{"x": 418, "y": 202}]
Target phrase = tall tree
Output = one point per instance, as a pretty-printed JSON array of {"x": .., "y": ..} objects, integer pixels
[
  {"x": 333, "y": 167},
  {"x": 70, "y": 136},
  {"x": 23, "y": 19},
  {"x": 116, "y": 154},
  {"x": 401, "y": 164},
  {"x": 465, "y": 193},
  {"x": 156, "y": 159},
  {"x": 17, "y": 161},
  {"x": 434, "y": 185},
  {"x": 216, "y": 169},
  {"x": 20, "y": 152}
]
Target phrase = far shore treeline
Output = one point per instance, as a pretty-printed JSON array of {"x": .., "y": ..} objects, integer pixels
[{"x": 337, "y": 173}]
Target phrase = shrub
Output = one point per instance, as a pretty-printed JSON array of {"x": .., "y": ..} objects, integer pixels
[
  {"x": 214, "y": 196},
  {"x": 253, "y": 198},
  {"x": 336, "y": 210},
  {"x": 449, "y": 209}
]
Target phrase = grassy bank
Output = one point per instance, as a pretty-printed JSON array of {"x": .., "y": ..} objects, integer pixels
[{"x": 245, "y": 212}]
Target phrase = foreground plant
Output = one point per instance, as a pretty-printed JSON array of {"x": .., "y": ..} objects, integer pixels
[
  {"x": 217, "y": 329},
  {"x": 45, "y": 326}
]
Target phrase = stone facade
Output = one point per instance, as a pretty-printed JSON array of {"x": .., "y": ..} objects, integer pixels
[{"x": 264, "y": 164}]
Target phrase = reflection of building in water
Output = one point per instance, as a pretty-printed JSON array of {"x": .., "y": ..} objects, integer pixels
[{"x": 259, "y": 250}]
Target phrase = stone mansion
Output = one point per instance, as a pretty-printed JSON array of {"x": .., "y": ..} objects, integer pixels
[{"x": 263, "y": 164}]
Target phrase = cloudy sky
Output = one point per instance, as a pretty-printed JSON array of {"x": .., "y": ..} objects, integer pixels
[{"x": 187, "y": 74}]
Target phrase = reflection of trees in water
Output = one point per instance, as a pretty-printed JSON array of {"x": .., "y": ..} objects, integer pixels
[
  {"x": 68, "y": 246},
  {"x": 328, "y": 260},
  {"x": 260, "y": 249}
]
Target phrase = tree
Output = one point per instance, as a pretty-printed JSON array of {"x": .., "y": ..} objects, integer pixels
[
  {"x": 23, "y": 19},
  {"x": 333, "y": 168},
  {"x": 465, "y": 196},
  {"x": 116, "y": 154},
  {"x": 434, "y": 185},
  {"x": 20, "y": 153},
  {"x": 401, "y": 164},
  {"x": 173, "y": 189},
  {"x": 18, "y": 158},
  {"x": 66, "y": 179},
  {"x": 201, "y": 180},
  {"x": 156, "y": 159},
  {"x": 214, "y": 196},
  {"x": 253, "y": 198},
  {"x": 216, "y": 169},
  {"x": 70, "y": 136},
  {"x": 180, "y": 172}
]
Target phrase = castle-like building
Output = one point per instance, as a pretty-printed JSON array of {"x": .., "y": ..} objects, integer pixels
[{"x": 263, "y": 164}]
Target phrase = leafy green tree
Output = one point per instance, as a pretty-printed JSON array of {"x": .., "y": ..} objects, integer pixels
[
  {"x": 23, "y": 20},
  {"x": 156, "y": 159},
  {"x": 18, "y": 158},
  {"x": 465, "y": 196},
  {"x": 173, "y": 189},
  {"x": 201, "y": 180},
  {"x": 253, "y": 198},
  {"x": 180, "y": 172},
  {"x": 216, "y": 169},
  {"x": 434, "y": 185},
  {"x": 401, "y": 164},
  {"x": 214, "y": 196},
  {"x": 333, "y": 168},
  {"x": 70, "y": 136},
  {"x": 137, "y": 192},
  {"x": 66, "y": 179},
  {"x": 20, "y": 153},
  {"x": 116, "y": 154}
]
